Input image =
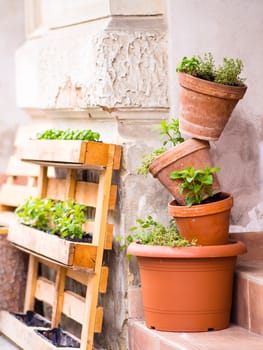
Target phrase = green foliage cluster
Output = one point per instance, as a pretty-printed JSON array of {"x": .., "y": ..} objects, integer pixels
[
  {"x": 171, "y": 136},
  {"x": 64, "y": 218},
  {"x": 196, "y": 182},
  {"x": 151, "y": 232},
  {"x": 228, "y": 73},
  {"x": 68, "y": 134}
]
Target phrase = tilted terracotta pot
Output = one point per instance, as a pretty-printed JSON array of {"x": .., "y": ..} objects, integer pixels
[
  {"x": 191, "y": 152},
  {"x": 208, "y": 223},
  {"x": 187, "y": 289},
  {"x": 205, "y": 107}
]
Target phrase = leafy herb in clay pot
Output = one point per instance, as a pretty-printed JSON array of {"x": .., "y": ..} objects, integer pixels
[
  {"x": 171, "y": 134},
  {"x": 151, "y": 232},
  {"x": 191, "y": 152},
  {"x": 172, "y": 268},
  {"x": 205, "y": 217},
  {"x": 208, "y": 94}
]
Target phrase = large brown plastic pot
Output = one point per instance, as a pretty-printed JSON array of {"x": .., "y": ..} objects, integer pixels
[
  {"x": 187, "y": 289},
  {"x": 191, "y": 152},
  {"x": 208, "y": 223},
  {"x": 205, "y": 107}
]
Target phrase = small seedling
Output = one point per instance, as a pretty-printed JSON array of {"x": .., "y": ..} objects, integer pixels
[{"x": 196, "y": 183}]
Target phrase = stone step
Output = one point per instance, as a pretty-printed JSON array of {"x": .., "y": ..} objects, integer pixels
[
  {"x": 247, "y": 306},
  {"x": 232, "y": 338}
]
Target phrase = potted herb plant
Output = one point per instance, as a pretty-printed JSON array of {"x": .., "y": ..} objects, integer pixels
[
  {"x": 208, "y": 94},
  {"x": 62, "y": 225},
  {"x": 205, "y": 217},
  {"x": 162, "y": 161},
  {"x": 185, "y": 287}
]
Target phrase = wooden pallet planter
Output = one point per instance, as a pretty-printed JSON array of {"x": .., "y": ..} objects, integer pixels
[
  {"x": 81, "y": 262},
  {"x": 69, "y": 151},
  {"x": 27, "y": 337},
  {"x": 69, "y": 253}
]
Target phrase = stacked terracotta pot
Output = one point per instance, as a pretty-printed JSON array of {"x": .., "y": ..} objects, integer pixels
[{"x": 190, "y": 288}]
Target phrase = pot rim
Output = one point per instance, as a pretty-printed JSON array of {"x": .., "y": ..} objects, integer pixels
[
  {"x": 222, "y": 205},
  {"x": 175, "y": 153},
  {"x": 207, "y": 87},
  {"x": 232, "y": 248}
]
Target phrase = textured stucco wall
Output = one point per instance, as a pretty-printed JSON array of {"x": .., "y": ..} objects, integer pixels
[{"x": 227, "y": 29}]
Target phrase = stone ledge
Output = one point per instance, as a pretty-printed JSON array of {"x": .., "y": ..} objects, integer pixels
[{"x": 232, "y": 338}]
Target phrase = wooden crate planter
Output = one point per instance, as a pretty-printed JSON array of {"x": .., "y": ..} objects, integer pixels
[
  {"x": 82, "y": 262},
  {"x": 55, "y": 248},
  {"x": 66, "y": 252},
  {"x": 69, "y": 151},
  {"x": 27, "y": 337}
]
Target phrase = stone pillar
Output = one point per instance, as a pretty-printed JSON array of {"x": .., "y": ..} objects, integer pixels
[{"x": 102, "y": 64}]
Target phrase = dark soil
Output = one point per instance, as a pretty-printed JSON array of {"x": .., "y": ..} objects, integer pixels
[
  {"x": 215, "y": 198},
  {"x": 59, "y": 338},
  {"x": 31, "y": 319}
]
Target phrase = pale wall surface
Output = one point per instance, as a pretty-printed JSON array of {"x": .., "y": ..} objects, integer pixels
[
  {"x": 11, "y": 36},
  {"x": 231, "y": 29}
]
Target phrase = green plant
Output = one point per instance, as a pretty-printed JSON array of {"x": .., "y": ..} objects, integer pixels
[
  {"x": 68, "y": 134},
  {"x": 64, "y": 218},
  {"x": 69, "y": 218},
  {"x": 170, "y": 134},
  {"x": 204, "y": 67},
  {"x": 228, "y": 73},
  {"x": 195, "y": 182},
  {"x": 36, "y": 212},
  {"x": 151, "y": 232}
]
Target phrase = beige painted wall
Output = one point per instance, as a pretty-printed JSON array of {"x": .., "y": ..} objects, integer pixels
[
  {"x": 11, "y": 36},
  {"x": 231, "y": 29}
]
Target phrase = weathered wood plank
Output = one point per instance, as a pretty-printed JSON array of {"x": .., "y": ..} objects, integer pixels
[
  {"x": 24, "y": 336},
  {"x": 60, "y": 250}
]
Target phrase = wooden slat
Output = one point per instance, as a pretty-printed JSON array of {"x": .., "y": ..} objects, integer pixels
[
  {"x": 59, "y": 297},
  {"x": 45, "y": 290},
  {"x": 98, "y": 320},
  {"x": 31, "y": 283},
  {"x": 3, "y": 230},
  {"x": 25, "y": 337},
  {"x": 88, "y": 328},
  {"x": 16, "y": 167},
  {"x": 86, "y": 192},
  {"x": 13, "y": 195},
  {"x": 74, "y": 306},
  {"x": 53, "y": 150},
  {"x": 104, "y": 279}
]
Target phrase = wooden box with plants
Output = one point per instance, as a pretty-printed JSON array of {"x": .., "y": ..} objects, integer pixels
[
  {"x": 65, "y": 228},
  {"x": 187, "y": 268}
]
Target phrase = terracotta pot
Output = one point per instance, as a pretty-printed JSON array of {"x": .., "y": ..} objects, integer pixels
[
  {"x": 187, "y": 289},
  {"x": 191, "y": 152},
  {"x": 208, "y": 223},
  {"x": 205, "y": 107}
]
